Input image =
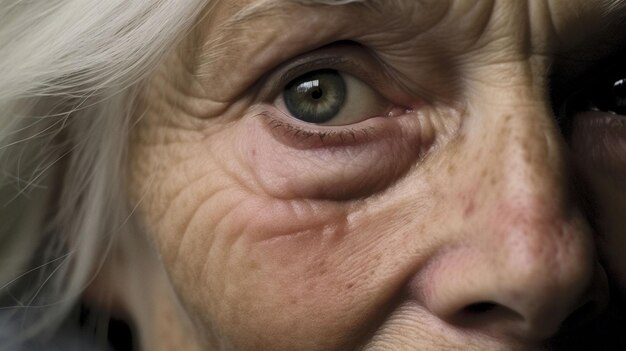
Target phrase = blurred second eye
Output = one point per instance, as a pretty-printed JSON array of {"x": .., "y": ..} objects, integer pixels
[
  {"x": 329, "y": 97},
  {"x": 610, "y": 96}
]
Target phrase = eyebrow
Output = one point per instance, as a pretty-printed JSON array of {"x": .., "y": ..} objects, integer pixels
[
  {"x": 212, "y": 49},
  {"x": 233, "y": 32},
  {"x": 615, "y": 5}
]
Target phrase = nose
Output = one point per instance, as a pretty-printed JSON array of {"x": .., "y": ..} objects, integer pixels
[{"x": 521, "y": 261}]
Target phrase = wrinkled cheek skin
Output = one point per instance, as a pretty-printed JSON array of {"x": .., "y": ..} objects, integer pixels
[
  {"x": 609, "y": 197},
  {"x": 603, "y": 167},
  {"x": 254, "y": 247},
  {"x": 292, "y": 165}
]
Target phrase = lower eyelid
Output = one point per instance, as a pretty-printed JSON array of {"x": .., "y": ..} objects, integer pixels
[
  {"x": 600, "y": 138},
  {"x": 309, "y": 138},
  {"x": 344, "y": 165},
  {"x": 396, "y": 122}
]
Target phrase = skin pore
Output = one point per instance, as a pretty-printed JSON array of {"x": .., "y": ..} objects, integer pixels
[{"x": 447, "y": 210}]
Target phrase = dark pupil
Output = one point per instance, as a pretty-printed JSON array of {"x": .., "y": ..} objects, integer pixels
[
  {"x": 316, "y": 97},
  {"x": 317, "y": 93},
  {"x": 610, "y": 96}
]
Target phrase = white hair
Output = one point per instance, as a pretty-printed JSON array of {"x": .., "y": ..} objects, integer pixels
[{"x": 69, "y": 72}]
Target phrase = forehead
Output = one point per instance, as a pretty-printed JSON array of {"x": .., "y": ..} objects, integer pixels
[
  {"x": 268, "y": 32},
  {"x": 559, "y": 23},
  {"x": 559, "y": 12}
]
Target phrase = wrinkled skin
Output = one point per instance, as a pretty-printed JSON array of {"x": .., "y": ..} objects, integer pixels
[{"x": 463, "y": 218}]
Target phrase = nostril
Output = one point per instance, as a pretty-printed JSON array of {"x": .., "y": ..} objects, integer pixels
[
  {"x": 481, "y": 314},
  {"x": 494, "y": 318},
  {"x": 481, "y": 307}
]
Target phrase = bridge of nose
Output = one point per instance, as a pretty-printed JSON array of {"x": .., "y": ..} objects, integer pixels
[{"x": 514, "y": 238}]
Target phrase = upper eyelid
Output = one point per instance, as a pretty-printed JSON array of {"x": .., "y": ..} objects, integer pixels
[
  {"x": 360, "y": 65},
  {"x": 579, "y": 76},
  {"x": 296, "y": 69},
  {"x": 569, "y": 70},
  {"x": 570, "y": 89}
]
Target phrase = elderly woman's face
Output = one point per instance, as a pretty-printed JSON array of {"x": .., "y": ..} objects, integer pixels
[{"x": 389, "y": 177}]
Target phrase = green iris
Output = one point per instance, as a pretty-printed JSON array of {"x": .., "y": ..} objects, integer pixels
[{"x": 315, "y": 97}]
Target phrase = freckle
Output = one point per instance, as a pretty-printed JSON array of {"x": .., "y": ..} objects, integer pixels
[
  {"x": 451, "y": 169},
  {"x": 293, "y": 300},
  {"x": 349, "y": 286},
  {"x": 469, "y": 209},
  {"x": 253, "y": 152}
]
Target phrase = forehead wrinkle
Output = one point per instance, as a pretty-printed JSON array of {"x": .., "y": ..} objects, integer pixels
[
  {"x": 264, "y": 8},
  {"x": 222, "y": 41}
]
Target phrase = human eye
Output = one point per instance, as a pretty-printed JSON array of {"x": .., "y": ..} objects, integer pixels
[
  {"x": 608, "y": 93},
  {"x": 597, "y": 117},
  {"x": 333, "y": 124},
  {"x": 330, "y": 97},
  {"x": 336, "y": 96}
]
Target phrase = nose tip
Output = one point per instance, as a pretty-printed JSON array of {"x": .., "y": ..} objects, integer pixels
[
  {"x": 536, "y": 324},
  {"x": 505, "y": 301}
]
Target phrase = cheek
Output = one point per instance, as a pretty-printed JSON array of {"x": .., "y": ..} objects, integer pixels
[
  {"x": 238, "y": 253},
  {"x": 609, "y": 201},
  {"x": 599, "y": 145}
]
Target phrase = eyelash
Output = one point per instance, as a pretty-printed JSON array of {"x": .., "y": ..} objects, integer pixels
[
  {"x": 318, "y": 61},
  {"x": 351, "y": 62},
  {"x": 574, "y": 94},
  {"x": 589, "y": 126},
  {"x": 312, "y": 138},
  {"x": 337, "y": 63}
]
